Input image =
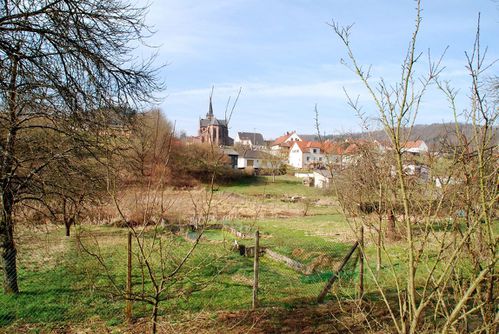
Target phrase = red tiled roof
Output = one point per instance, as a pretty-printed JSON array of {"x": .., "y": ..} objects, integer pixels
[
  {"x": 413, "y": 144},
  {"x": 306, "y": 145},
  {"x": 282, "y": 139},
  {"x": 332, "y": 148}
]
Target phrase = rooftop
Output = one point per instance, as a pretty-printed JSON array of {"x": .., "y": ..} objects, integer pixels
[{"x": 254, "y": 137}]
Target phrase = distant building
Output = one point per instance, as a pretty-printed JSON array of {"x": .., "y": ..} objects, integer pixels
[
  {"x": 415, "y": 147},
  {"x": 304, "y": 153},
  {"x": 232, "y": 156},
  {"x": 213, "y": 130},
  {"x": 285, "y": 141},
  {"x": 254, "y": 159},
  {"x": 322, "y": 178},
  {"x": 250, "y": 139}
]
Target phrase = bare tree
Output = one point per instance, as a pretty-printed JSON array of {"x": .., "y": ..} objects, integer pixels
[
  {"x": 274, "y": 162},
  {"x": 169, "y": 268},
  {"x": 436, "y": 292},
  {"x": 149, "y": 141},
  {"x": 67, "y": 68}
]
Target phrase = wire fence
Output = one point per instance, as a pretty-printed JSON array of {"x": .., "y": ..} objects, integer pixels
[{"x": 83, "y": 278}]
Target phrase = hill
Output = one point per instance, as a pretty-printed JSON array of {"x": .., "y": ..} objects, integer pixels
[{"x": 433, "y": 134}]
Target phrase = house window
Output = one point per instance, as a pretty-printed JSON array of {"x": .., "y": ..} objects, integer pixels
[
  {"x": 308, "y": 158},
  {"x": 314, "y": 150},
  {"x": 250, "y": 163},
  {"x": 320, "y": 159}
]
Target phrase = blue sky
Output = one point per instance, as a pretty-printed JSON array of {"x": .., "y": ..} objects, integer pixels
[{"x": 287, "y": 59}]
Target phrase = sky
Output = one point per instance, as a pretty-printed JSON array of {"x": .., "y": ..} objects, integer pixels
[{"x": 287, "y": 59}]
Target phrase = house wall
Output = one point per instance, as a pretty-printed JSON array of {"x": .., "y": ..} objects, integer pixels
[
  {"x": 293, "y": 137},
  {"x": 243, "y": 142},
  {"x": 335, "y": 159},
  {"x": 251, "y": 162},
  {"x": 320, "y": 181},
  {"x": 311, "y": 157},
  {"x": 303, "y": 175},
  {"x": 242, "y": 162},
  {"x": 299, "y": 159},
  {"x": 295, "y": 157}
]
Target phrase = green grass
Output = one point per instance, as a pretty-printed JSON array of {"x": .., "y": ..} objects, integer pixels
[
  {"x": 75, "y": 288},
  {"x": 311, "y": 236},
  {"x": 61, "y": 285},
  {"x": 284, "y": 185}
]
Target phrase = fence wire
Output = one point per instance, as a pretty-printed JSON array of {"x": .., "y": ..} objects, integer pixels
[{"x": 83, "y": 278}]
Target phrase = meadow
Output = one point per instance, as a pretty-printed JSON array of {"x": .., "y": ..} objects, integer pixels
[{"x": 65, "y": 288}]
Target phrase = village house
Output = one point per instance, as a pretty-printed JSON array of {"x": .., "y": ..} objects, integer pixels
[
  {"x": 285, "y": 141},
  {"x": 254, "y": 159},
  {"x": 413, "y": 169},
  {"x": 232, "y": 156},
  {"x": 417, "y": 147},
  {"x": 253, "y": 140},
  {"x": 304, "y": 153}
]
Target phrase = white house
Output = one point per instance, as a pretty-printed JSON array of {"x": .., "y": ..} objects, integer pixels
[
  {"x": 415, "y": 147},
  {"x": 250, "y": 139},
  {"x": 254, "y": 159},
  {"x": 304, "y": 153},
  {"x": 285, "y": 141}
]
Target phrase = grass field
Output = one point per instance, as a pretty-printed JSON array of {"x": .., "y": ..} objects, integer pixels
[
  {"x": 73, "y": 288},
  {"x": 62, "y": 286},
  {"x": 261, "y": 185}
]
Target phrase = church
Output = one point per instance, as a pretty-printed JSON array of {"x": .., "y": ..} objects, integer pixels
[{"x": 213, "y": 130}]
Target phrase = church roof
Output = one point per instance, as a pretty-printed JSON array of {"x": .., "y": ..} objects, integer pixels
[{"x": 212, "y": 121}]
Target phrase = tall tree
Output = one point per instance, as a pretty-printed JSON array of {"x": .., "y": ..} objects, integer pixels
[{"x": 67, "y": 70}]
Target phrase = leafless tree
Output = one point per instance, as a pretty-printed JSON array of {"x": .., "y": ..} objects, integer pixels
[
  {"x": 436, "y": 291},
  {"x": 67, "y": 68},
  {"x": 274, "y": 162},
  {"x": 169, "y": 269},
  {"x": 149, "y": 142}
]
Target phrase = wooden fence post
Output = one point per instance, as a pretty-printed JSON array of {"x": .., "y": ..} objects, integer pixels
[
  {"x": 333, "y": 278},
  {"x": 128, "y": 307},
  {"x": 256, "y": 268},
  {"x": 361, "y": 263}
]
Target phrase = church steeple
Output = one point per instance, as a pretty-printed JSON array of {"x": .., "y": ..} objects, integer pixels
[{"x": 209, "y": 115}]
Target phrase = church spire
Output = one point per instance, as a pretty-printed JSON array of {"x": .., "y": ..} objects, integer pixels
[
  {"x": 210, "y": 110},
  {"x": 209, "y": 115}
]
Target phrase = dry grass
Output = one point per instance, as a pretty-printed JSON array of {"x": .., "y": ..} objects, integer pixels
[
  {"x": 178, "y": 206},
  {"x": 328, "y": 318}
]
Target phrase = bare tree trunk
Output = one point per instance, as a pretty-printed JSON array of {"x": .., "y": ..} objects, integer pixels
[
  {"x": 391, "y": 229},
  {"x": 67, "y": 224},
  {"x": 128, "y": 307},
  {"x": 155, "y": 316},
  {"x": 380, "y": 230},
  {"x": 7, "y": 247},
  {"x": 379, "y": 243}
]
